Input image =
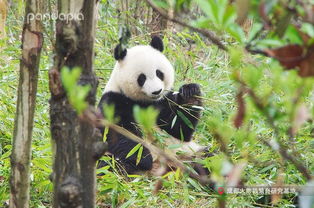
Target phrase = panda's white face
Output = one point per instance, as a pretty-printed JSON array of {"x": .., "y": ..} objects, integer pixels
[{"x": 144, "y": 74}]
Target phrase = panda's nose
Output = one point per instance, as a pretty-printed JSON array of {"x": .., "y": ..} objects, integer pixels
[{"x": 156, "y": 92}]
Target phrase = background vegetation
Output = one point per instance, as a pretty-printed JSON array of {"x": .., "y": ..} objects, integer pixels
[{"x": 271, "y": 106}]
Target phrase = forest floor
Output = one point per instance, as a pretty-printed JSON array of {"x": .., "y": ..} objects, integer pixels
[{"x": 195, "y": 60}]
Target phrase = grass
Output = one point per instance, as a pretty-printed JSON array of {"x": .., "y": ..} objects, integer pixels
[{"x": 198, "y": 62}]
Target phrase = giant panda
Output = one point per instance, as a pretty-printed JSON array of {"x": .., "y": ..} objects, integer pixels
[{"x": 143, "y": 76}]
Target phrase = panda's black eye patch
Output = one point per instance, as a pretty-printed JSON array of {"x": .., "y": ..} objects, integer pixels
[
  {"x": 159, "y": 74},
  {"x": 141, "y": 80}
]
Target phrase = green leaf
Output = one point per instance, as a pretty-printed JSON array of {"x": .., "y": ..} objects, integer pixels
[
  {"x": 181, "y": 134},
  {"x": 76, "y": 94},
  {"x": 177, "y": 174},
  {"x": 236, "y": 32},
  {"x": 139, "y": 155},
  {"x": 252, "y": 76},
  {"x": 70, "y": 77},
  {"x": 194, "y": 184},
  {"x": 267, "y": 168},
  {"x": 256, "y": 28},
  {"x": 308, "y": 29},
  {"x": 174, "y": 146},
  {"x": 146, "y": 117},
  {"x": 270, "y": 43},
  {"x": 216, "y": 10},
  {"x": 229, "y": 16},
  {"x": 114, "y": 198},
  {"x": 174, "y": 121},
  {"x": 185, "y": 119},
  {"x": 236, "y": 55},
  {"x": 292, "y": 35},
  {"x": 128, "y": 203},
  {"x": 105, "y": 133},
  {"x": 220, "y": 8},
  {"x": 208, "y": 9},
  {"x": 133, "y": 150},
  {"x": 202, "y": 22},
  {"x": 283, "y": 24},
  {"x": 161, "y": 4},
  {"x": 109, "y": 111}
]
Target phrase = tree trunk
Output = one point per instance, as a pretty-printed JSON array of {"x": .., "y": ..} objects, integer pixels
[
  {"x": 75, "y": 140},
  {"x": 3, "y": 16},
  {"x": 32, "y": 40}
]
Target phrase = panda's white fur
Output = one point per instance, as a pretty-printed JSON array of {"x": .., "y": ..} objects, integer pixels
[
  {"x": 141, "y": 59},
  {"x": 146, "y": 59},
  {"x": 124, "y": 78},
  {"x": 188, "y": 149}
]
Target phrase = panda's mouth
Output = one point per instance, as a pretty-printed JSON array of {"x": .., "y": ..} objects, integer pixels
[
  {"x": 155, "y": 97},
  {"x": 152, "y": 97}
]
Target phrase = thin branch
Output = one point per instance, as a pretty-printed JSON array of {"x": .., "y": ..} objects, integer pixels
[
  {"x": 284, "y": 153},
  {"x": 168, "y": 157},
  {"x": 210, "y": 35},
  {"x": 91, "y": 116},
  {"x": 279, "y": 147},
  {"x": 296, "y": 100}
]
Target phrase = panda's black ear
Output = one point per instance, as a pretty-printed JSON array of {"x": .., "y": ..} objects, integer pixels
[
  {"x": 119, "y": 53},
  {"x": 157, "y": 43}
]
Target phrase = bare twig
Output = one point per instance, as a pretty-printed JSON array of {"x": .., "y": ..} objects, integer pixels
[
  {"x": 296, "y": 100},
  {"x": 279, "y": 147},
  {"x": 223, "y": 144},
  {"x": 284, "y": 153},
  {"x": 210, "y": 35}
]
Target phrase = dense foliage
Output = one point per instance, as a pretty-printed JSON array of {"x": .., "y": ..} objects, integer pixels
[{"x": 253, "y": 106}]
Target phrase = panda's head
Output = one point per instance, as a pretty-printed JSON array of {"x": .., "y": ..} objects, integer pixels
[{"x": 142, "y": 73}]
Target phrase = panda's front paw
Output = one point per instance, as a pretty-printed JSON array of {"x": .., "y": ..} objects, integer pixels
[{"x": 190, "y": 93}]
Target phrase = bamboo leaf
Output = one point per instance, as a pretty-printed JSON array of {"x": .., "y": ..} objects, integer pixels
[
  {"x": 132, "y": 151},
  {"x": 174, "y": 121},
  {"x": 194, "y": 184},
  {"x": 139, "y": 155},
  {"x": 185, "y": 119}
]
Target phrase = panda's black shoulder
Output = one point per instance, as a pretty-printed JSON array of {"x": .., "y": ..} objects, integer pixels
[
  {"x": 121, "y": 102},
  {"x": 112, "y": 98}
]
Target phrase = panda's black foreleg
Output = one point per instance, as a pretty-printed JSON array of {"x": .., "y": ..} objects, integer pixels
[
  {"x": 122, "y": 148},
  {"x": 182, "y": 113}
]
